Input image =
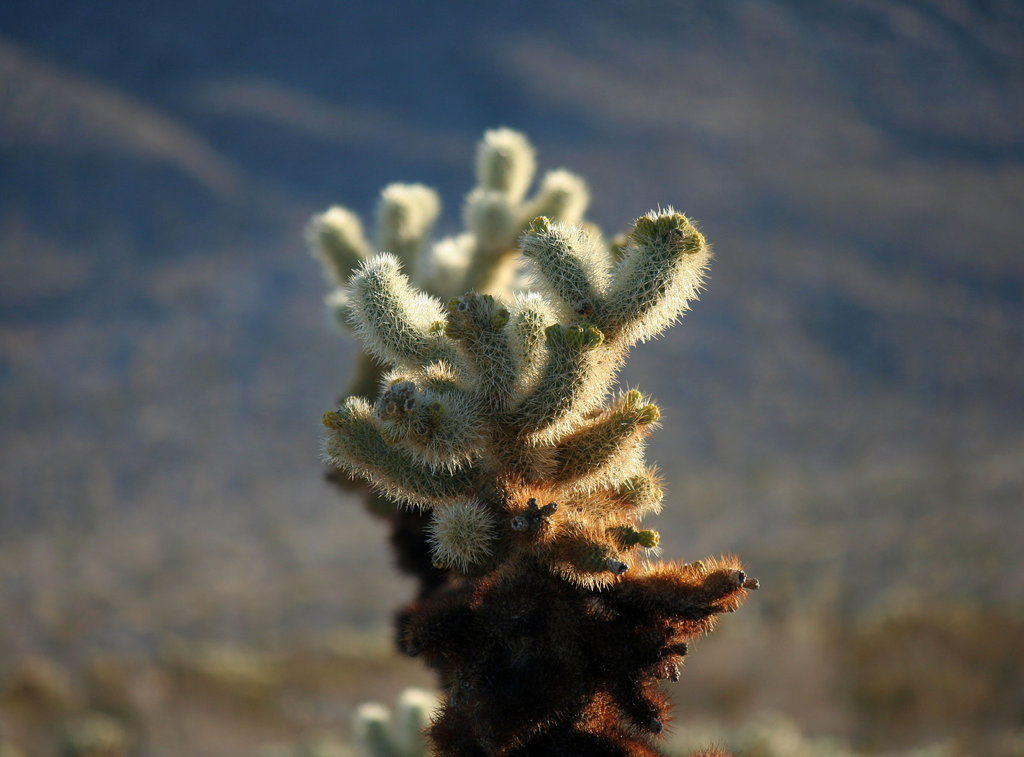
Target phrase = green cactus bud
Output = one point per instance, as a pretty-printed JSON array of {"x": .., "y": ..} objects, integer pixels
[
  {"x": 499, "y": 318},
  {"x": 332, "y": 419},
  {"x": 473, "y": 314},
  {"x": 582, "y": 337},
  {"x": 647, "y": 415},
  {"x": 649, "y": 539},
  {"x": 505, "y": 162},
  {"x": 628, "y": 537},
  {"x": 555, "y": 334},
  {"x": 649, "y": 226},
  {"x": 592, "y": 337},
  {"x": 435, "y": 413},
  {"x": 540, "y": 225}
]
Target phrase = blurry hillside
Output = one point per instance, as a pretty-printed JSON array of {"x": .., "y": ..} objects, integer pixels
[{"x": 844, "y": 407}]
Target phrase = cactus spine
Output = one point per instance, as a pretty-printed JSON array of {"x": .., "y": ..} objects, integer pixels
[{"x": 496, "y": 426}]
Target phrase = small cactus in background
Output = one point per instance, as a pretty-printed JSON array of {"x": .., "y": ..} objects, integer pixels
[
  {"x": 95, "y": 735},
  {"x": 494, "y": 424},
  {"x": 378, "y": 734}
]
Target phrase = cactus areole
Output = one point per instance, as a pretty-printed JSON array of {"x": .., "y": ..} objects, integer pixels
[{"x": 516, "y": 471}]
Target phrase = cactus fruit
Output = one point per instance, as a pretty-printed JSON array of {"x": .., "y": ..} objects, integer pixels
[{"x": 496, "y": 425}]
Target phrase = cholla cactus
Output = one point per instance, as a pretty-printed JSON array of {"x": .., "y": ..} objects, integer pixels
[
  {"x": 495, "y": 420},
  {"x": 377, "y": 735}
]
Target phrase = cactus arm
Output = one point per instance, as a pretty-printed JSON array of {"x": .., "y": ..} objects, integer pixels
[
  {"x": 335, "y": 237},
  {"x": 691, "y": 593},
  {"x": 396, "y": 323},
  {"x": 565, "y": 380},
  {"x": 606, "y": 441},
  {"x": 490, "y": 217},
  {"x": 661, "y": 270},
  {"x": 477, "y": 323},
  {"x": 530, "y": 315},
  {"x": 405, "y": 216},
  {"x": 505, "y": 162},
  {"x": 563, "y": 196},
  {"x": 568, "y": 263},
  {"x": 354, "y": 441},
  {"x": 438, "y": 423}
]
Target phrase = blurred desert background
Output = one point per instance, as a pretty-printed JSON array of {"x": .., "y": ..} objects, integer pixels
[{"x": 844, "y": 408}]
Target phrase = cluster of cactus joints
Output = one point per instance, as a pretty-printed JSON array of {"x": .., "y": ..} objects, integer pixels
[
  {"x": 549, "y": 627},
  {"x": 482, "y": 257}
]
